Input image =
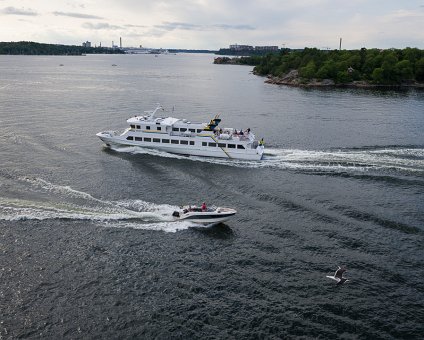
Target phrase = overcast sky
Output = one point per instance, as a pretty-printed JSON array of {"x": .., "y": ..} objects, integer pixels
[{"x": 211, "y": 24}]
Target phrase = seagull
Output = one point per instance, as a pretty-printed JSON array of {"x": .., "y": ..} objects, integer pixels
[{"x": 338, "y": 276}]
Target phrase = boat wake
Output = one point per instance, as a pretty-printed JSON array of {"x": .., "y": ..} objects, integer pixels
[
  {"x": 391, "y": 160},
  {"x": 49, "y": 201}
]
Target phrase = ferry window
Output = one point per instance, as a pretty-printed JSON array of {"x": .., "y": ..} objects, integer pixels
[
  {"x": 132, "y": 126},
  {"x": 212, "y": 144},
  {"x": 138, "y": 138},
  {"x": 147, "y": 139},
  {"x": 192, "y": 130},
  {"x": 204, "y": 144},
  {"x": 165, "y": 140},
  {"x": 156, "y": 140},
  {"x": 138, "y": 127},
  {"x": 159, "y": 128},
  {"x": 183, "y": 129},
  {"x": 130, "y": 138},
  {"x": 175, "y": 129},
  {"x": 173, "y": 141},
  {"x": 231, "y": 146},
  {"x": 191, "y": 142},
  {"x": 185, "y": 142},
  {"x": 147, "y": 127},
  {"x": 221, "y": 145},
  {"x": 199, "y": 130},
  {"x": 240, "y": 146}
]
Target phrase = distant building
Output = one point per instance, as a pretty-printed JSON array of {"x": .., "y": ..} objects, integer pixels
[
  {"x": 86, "y": 44},
  {"x": 266, "y": 48},
  {"x": 237, "y": 47},
  {"x": 246, "y": 50}
]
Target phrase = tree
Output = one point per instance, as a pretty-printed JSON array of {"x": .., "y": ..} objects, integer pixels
[
  {"x": 377, "y": 75},
  {"x": 419, "y": 70},
  {"x": 403, "y": 70},
  {"x": 343, "y": 77},
  {"x": 308, "y": 71}
]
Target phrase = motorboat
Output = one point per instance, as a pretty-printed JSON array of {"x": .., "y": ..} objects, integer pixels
[
  {"x": 181, "y": 136},
  {"x": 210, "y": 216}
]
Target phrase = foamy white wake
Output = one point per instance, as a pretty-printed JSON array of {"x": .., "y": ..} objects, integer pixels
[
  {"x": 409, "y": 160},
  {"x": 66, "y": 203}
]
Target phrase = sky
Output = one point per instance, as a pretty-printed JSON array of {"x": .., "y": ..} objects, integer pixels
[{"x": 214, "y": 24}]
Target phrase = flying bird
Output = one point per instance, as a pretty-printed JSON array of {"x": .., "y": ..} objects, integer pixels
[{"x": 338, "y": 276}]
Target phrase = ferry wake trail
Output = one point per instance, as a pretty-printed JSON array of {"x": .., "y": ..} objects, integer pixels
[{"x": 397, "y": 160}]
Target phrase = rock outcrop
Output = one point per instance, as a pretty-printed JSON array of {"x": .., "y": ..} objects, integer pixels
[
  {"x": 226, "y": 60},
  {"x": 293, "y": 78}
]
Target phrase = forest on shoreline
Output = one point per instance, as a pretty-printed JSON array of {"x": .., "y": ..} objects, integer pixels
[
  {"x": 314, "y": 66},
  {"x": 33, "y": 48}
]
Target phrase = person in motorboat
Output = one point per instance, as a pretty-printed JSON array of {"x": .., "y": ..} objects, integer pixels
[{"x": 203, "y": 215}]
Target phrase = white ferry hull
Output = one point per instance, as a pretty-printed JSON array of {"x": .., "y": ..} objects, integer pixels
[{"x": 251, "y": 154}]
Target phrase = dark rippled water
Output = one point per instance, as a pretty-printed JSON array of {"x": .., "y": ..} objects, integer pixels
[{"x": 87, "y": 249}]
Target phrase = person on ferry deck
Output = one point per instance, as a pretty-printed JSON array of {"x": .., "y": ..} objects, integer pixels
[{"x": 203, "y": 206}]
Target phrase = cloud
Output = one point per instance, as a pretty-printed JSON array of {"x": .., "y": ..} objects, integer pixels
[
  {"x": 101, "y": 26},
  {"x": 170, "y": 26},
  {"x": 234, "y": 27},
  {"x": 19, "y": 11},
  {"x": 77, "y": 15},
  {"x": 133, "y": 26}
]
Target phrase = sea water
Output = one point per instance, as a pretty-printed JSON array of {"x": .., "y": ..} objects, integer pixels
[{"x": 88, "y": 247}]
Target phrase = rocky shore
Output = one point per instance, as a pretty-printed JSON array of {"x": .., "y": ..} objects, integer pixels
[
  {"x": 227, "y": 60},
  {"x": 292, "y": 78}
]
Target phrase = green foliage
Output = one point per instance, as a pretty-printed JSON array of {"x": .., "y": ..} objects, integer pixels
[
  {"x": 419, "y": 69},
  {"x": 386, "y": 67},
  {"x": 378, "y": 75},
  {"x": 32, "y": 48},
  {"x": 403, "y": 70},
  {"x": 308, "y": 71}
]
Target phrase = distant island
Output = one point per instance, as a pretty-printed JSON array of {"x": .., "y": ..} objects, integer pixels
[
  {"x": 33, "y": 48},
  {"x": 312, "y": 67}
]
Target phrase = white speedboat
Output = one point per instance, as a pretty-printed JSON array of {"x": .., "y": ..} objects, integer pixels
[
  {"x": 209, "y": 216},
  {"x": 181, "y": 136}
]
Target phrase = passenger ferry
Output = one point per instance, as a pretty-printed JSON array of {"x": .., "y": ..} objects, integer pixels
[{"x": 180, "y": 136}]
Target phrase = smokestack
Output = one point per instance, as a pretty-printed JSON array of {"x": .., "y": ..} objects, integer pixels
[
  {"x": 120, "y": 42},
  {"x": 340, "y": 45}
]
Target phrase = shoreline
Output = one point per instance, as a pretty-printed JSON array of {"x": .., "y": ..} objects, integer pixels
[
  {"x": 329, "y": 83},
  {"x": 293, "y": 79}
]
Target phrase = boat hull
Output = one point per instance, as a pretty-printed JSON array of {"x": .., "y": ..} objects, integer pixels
[
  {"x": 219, "y": 215},
  {"x": 208, "y": 219},
  {"x": 247, "y": 154}
]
